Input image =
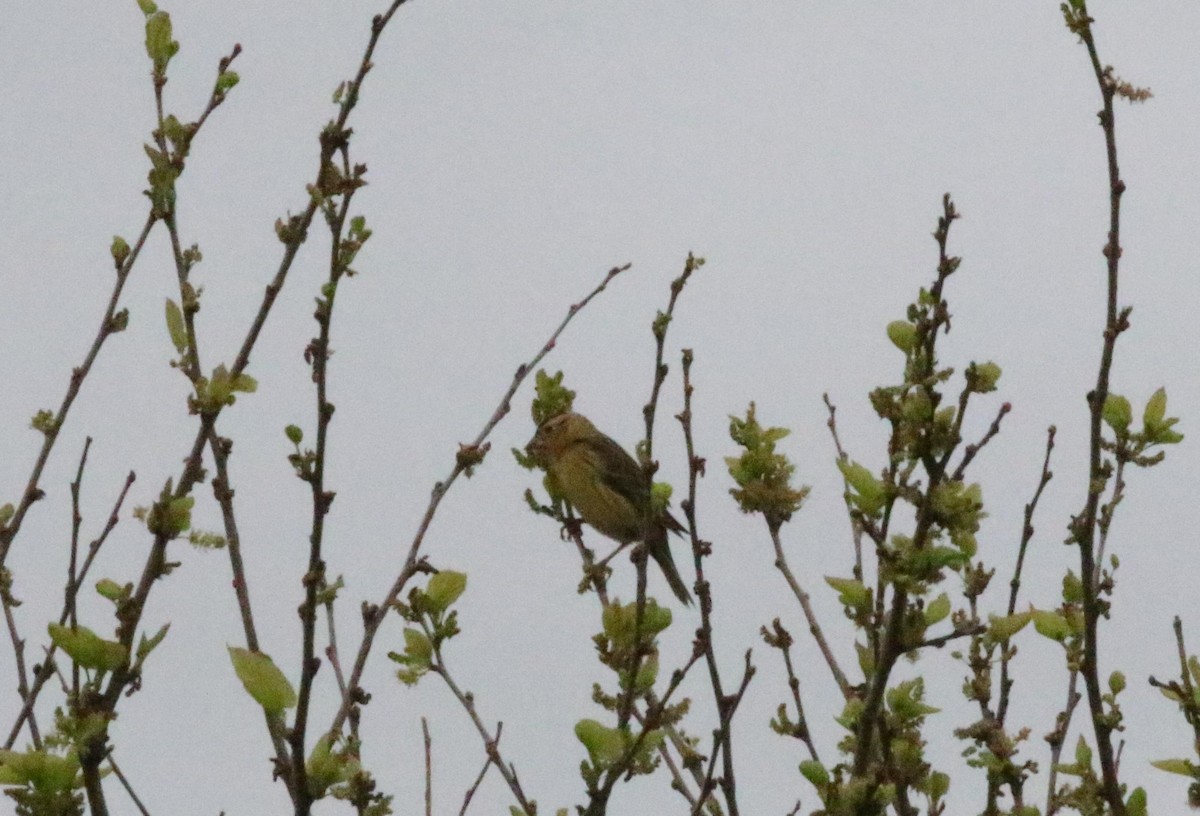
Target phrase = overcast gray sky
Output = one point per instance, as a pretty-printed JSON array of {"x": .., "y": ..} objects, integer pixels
[{"x": 516, "y": 152}]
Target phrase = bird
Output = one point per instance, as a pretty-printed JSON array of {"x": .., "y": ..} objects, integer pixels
[{"x": 608, "y": 488}]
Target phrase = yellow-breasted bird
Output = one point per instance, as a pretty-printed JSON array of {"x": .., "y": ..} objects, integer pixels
[{"x": 607, "y": 487}]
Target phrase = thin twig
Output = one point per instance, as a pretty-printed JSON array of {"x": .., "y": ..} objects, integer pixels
[
  {"x": 972, "y": 450},
  {"x": 373, "y": 617},
  {"x": 470, "y": 794},
  {"x": 47, "y": 666},
  {"x": 1058, "y": 738},
  {"x": 108, "y": 326},
  {"x": 1015, "y": 583},
  {"x": 814, "y": 627},
  {"x": 428, "y": 767},
  {"x": 491, "y": 743},
  {"x": 116, "y": 769},
  {"x": 856, "y": 530}
]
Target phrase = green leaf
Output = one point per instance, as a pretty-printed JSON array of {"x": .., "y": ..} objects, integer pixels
[
  {"x": 902, "y": 334},
  {"x": 417, "y": 646},
  {"x": 226, "y": 80},
  {"x": 1156, "y": 409},
  {"x": 119, "y": 250},
  {"x": 87, "y": 649},
  {"x": 6, "y": 513},
  {"x": 983, "y": 376},
  {"x": 175, "y": 326},
  {"x": 939, "y": 785},
  {"x": 1116, "y": 682},
  {"x": 159, "y": 45},
  {"x": 815, "y": 773},
  {"x": 110, "y": 589},
  {"x": 1072, "y": 588},
  {"x": 445, "y": 588},
  {"x": 262, "y": 679},
  {"x": 1135, "y": 805},
  {"x": 147, "y": 7},
  {"x": 1003, "y": 628},
  {"x": 46, "y": 773},
  {"x": 1050, "y": 624},
  {"x": 1117, "y": 413},
  {"x": 604, "y": 745},
  {"x": 850, "y": 592},
  {"x": 1083, "y": 754},
  {"x": 148, "y": 645},
  {"x": 869, "y": 493},
  {"x": 244, "y": 383},
  {"x": 1176, "y": 766},
  {"x": 937, "y": 610}
]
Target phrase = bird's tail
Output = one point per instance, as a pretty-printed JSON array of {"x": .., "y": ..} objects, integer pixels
[{"x": 660, "y": 550}]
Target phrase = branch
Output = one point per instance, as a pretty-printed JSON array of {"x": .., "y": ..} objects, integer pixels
[
  {"x": 1084, "y": 525},
  {"x": 814, "y": 626},
  {"x": 373, "y": 616}
]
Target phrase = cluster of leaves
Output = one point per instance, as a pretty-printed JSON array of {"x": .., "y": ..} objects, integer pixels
[
  {"x": 628, "y": 646},
  {"x": 763, "y": 475},
  {"x": 434, "y": 622}
]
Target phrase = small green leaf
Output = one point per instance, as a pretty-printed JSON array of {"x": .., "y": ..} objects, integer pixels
[
  {"x": 148, "y": 645},
  {"x": 604, "y": 745},
  {"x": 244, "y": 383},
  {"x": 1083, "y": 754},
  {"x": 1050, "y": 624},
  {"x": 1117, "y": 413},
  {"x": 417, "y": 646},
  {"x": 1135, "y": 805},
  {"x": 1072, "y": 588},
  {"x": 1176, "y": 766},
  {"x": 1003, "y": 628},
  {"x": 939, "y": 785},
  {"x": 937, "y": 610},
  {"x": 1116, "y": 682},
  {"x": 262, "y": 679},
  {"x": 815, "y": 773},
  {"x": 119, "y": 250},
  {"x": 159, "y": 45},
  {"x": 902, "y": 334},
  {"x": 1156, "y": 409},
  {"x": 869, "y": 493},
  {"x": 294, "y": 434},
  {"x": 110, "y": 589},
  {"x": 226, "y": 80},
  {"x": 147, "y": 7},
  {"x": 6, "y": 513},
  {"x": 175, "y": 326},
  {"x": 87, "y": 649},
  {"x": 445, "y": 588},
  {"x": 983, "y": 377},
  {"x": 850, "y": 592}
]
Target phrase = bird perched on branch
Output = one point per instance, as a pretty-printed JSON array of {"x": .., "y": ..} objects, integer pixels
[{"x": 607, "y": 487}]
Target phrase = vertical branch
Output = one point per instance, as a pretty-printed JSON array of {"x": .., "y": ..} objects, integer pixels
[
  {"x": 1084, "y": 526},
  {"x": 723, "y": 740},
  {"x": 340, "y": 187},
  {"x": 428, "y": 767}
]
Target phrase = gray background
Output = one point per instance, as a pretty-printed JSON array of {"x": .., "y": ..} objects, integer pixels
[{"x": 517, "y": 151}]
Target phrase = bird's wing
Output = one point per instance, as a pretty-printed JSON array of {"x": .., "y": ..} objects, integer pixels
[{"x": 618, "y": 471}]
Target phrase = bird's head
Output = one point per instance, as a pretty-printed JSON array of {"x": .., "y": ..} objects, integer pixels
[{"x": 557, "y": 434}]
